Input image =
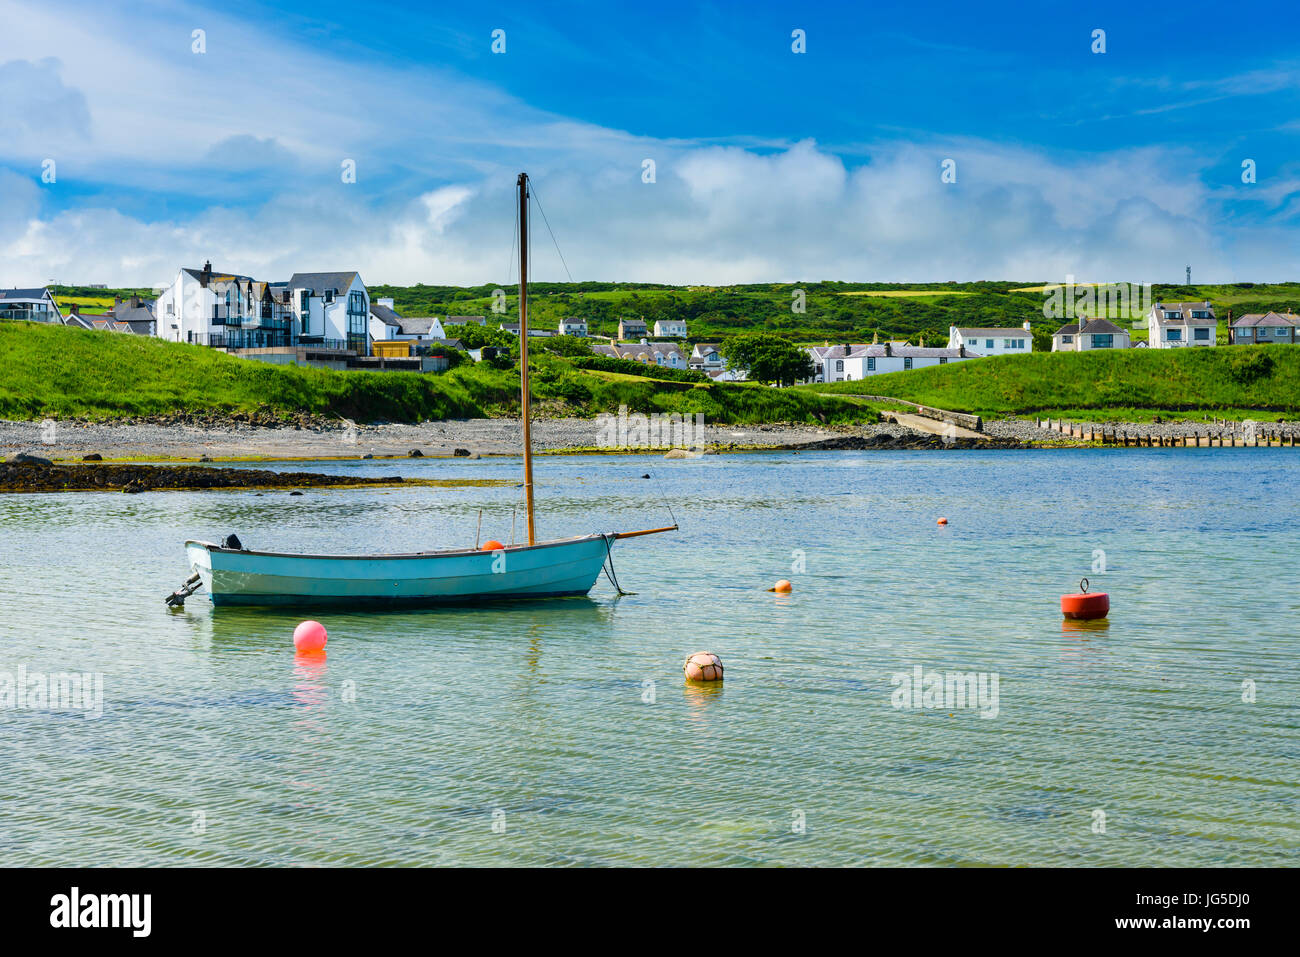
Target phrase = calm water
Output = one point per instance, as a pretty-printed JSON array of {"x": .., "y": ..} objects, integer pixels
[{"x": 421, "y": 730}]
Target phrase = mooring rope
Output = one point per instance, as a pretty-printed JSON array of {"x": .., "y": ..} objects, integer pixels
[{"x": 610, "y": 573}]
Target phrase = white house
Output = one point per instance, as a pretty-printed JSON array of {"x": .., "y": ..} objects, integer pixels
[
  {"x": 386, "y": 324},
  {"x": 466, "y": 321},
  {"x": 994, "y": 341},
  {"x": 332, "y": 308},
  {"x": 1087, "y": 334},
  {"x": 533, "y": 332},
  {"x": 672, "y": 328},
  {"x": 631, "y": 328},
  {"x": 1265, "y": 328},
  {"x": 573, "y": 327},
  {"x": 34, "y": 305},
  {"x": 706, "y": 358},
  {"x": 877, "y": 359},
  {"x": 1173, "y": 325}
]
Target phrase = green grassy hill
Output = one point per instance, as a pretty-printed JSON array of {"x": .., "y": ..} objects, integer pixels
[
  {"x": 62, "y": 372},
  {"x": 1129, "y": 384}
]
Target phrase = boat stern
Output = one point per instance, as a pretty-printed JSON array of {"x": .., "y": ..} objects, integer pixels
[{"x": 201, "y": 561}]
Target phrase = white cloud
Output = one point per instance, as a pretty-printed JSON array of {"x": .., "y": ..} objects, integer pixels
[{"x": 241, "y": 148}]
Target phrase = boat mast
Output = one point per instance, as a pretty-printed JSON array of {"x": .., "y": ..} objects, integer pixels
[{"x": 523, "y": 352}]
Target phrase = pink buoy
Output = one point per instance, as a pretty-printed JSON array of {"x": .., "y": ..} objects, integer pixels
[{"x": 310, "y": 636}]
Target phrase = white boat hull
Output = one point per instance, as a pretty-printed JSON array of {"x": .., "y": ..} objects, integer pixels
[{"x": 546, "y": 570}]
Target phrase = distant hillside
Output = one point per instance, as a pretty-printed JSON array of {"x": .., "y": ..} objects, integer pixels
[
  {"x": 833, "y": 311},
  {"x": 1232, "y": 382}
]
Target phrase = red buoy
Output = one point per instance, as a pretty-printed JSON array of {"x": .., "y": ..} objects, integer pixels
[{"x": 1085, "y": 605}]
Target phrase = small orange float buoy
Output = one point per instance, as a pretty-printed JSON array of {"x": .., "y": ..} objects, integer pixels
[
  {"x": 942, "y": 521},
  {"x": 491, "y": 545},
  {"x": 703, "y": 666},
  {"x": 782, "y": 586},
  {"x": 1085, "y": 606}
]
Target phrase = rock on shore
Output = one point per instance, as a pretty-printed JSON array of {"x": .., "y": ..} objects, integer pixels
[{"x": 29, "y": 477}]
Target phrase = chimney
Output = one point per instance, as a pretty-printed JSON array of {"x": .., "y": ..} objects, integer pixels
[
  {"x": 117, "y": 301},
  {"x": 386, "y": 301},
  {"x": 74, "y": 310},
  {"x": 889, "y": 350},
  {"x": 1026, "y": 326},
  {"x": 923, "y": 342},
  {"x": 961, "y": 351},
  {"x": 206, "y": 276},
  {"x": 875, "y": 338}
]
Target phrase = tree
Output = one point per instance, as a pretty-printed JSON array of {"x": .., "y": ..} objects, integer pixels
[{"x": 767, "y": 358}]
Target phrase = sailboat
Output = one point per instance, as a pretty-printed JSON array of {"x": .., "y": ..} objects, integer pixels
[{"x": 233, "y": 575}]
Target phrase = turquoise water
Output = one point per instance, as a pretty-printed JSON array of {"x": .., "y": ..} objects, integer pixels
[{"x": 562, "y": 732}]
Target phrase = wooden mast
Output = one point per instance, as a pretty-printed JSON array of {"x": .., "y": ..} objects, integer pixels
[{"x": 523, "y": 352}]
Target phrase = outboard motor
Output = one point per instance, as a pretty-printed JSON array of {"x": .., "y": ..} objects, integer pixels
[{"x": 232, "y": 541}]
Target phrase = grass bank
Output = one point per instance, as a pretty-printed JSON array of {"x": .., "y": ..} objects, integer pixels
[
  {"x": 1129, "y": 385},
  {"x": 62, "y": 372}
]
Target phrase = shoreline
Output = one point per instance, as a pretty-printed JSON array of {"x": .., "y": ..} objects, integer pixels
[{"x": 233, "y": 442}]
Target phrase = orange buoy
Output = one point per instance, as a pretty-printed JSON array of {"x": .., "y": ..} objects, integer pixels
[
  {"x": 703, "y": 666},
  {"x": 1085, "y": 605},
  {"x": 783, "y": 586},
  {"x": 491, "y": 545},
  {"x": 942, "y": 521}
]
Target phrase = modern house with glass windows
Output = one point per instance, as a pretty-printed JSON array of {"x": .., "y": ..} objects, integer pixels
[
  {"x": 992, "y": 341},
  {"x": 33, "y": 305},
  {"x": 324, "y": 311},
  {"x": 1089, "y": 334},
  {"x": 1173, "y": 325},
  {"x": 1280, "y": 328}
]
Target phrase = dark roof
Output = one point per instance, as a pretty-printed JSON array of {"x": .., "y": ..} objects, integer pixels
[
  {"x": 415, "y": 326},
  {"x": 877, "y": 351},
  {"x": 318, "y": 282},
  {"x": 217, "y": 275},
  {"x": 1184, "y": 310},
  {"x": 141, "y": 312},
  {"x": 1090, "y": 327},
  {"x": 385, "y": 315},
  {"x": 1267, "y": 319},
  {"x": 39, "y": 293},
  {"x": 449, "y": 343}
]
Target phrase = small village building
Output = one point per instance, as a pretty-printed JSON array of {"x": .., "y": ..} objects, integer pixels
[
  {"x": 573, "y": 327},
  {"x": 992, "y": 341},
  {"x": 1278, "y": 328},
  {"x": 631, "y": 328},
  {"x": 1089, "y": 334},
  {"x": 670, "y": 328},
  {"x": 31, "y": 305},
  {"x": 1174, "y": 325}
]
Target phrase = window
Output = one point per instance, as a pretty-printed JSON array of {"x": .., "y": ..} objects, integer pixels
[
  {"x": 1173, "y": 315},
  {"x": 1174, "y": 335},
  {"x": 988, "y": 343},
  {"x": 871, "y": 363},
  {"x": 907, "y": 362},
  {"x": 1103, "y": 340},
  {"x": 1200, "y": 314},
  {"x": 1203, "y": 335},
  {"x": 943, "y": 360},
  {"x": 1065, "y": 339},
  {"x": 839, "y": 365},
  {"x": 1280, "y": 331},
  {"x": 1243, "y": 333}
]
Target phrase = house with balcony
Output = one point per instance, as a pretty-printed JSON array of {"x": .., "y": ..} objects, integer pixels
[
  {"x": 879, "y": 358},
  {"x": 1173, "y": 325},
  {"x": 992, "y": 341},
  {"x": 323, "y": 311},
  {"x": 573, "y": 327},
  {"x": 670, "y": 328},
  {"x": 31, "y": 305},
  {"x": 1270, "y": 328},
  {"x": 1087, "y": 334},
  {"x": 332, "y": 308}
]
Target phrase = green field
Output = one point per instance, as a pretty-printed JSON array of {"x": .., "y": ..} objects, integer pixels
[
  {"x": 62, "y": 372},
  {"x": 1120, "y": 385}
]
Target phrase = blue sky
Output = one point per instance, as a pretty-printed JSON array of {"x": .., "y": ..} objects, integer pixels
[{"x": 770, "y": 165}]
